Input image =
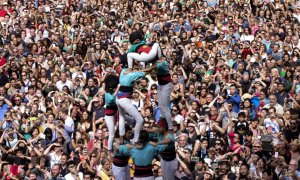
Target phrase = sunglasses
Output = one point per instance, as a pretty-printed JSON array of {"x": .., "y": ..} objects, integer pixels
[{"x": 256, "y": 146}]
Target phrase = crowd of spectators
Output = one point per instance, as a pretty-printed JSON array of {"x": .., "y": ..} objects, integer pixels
[{"x": 235, "y": 103}]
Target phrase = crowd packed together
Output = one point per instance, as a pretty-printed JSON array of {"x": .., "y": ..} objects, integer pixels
[{"x": 150, "y": 89}]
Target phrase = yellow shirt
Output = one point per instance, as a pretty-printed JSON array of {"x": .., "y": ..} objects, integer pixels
[{"x": 103, "y": 175}]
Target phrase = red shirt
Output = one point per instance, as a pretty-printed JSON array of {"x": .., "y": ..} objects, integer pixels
[
  {"x": 2, "y": 61},
  {"x": 2, "y": 13}
]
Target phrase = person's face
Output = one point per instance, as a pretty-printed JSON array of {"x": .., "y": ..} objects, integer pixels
[
  {"x": 63, "y": 160},
  {"x": 191, "y": 128},
  {"x": 63, "y": 77},
  {"x": 85, "y": 115},
  {"x": 199, "y": 165},
  {"x": 55, "y": 171},
  {"x": 223, "y": 169},
  {"x": 90, "y": 82},
  {"x": 18, "y": 100},
  {"x": 128, "y": 134},
  {"x": 175, "y": 110},
  {"x": 106, "y": 165},
  {"x": 32, "y": 177},
  {"x": 244, "y": 170},
  {"x": 247, "y": 104},
  {"x": 293, "y": 124},
  {"x": 256, "y": 148},
  {"x": 232, "y": 90},
  {"x": 194, "y": 105},
  {"x": 209, "y": 98},
  {"x": 147, "y": 113},
  {"x": 272, "y": 100},
  {"x": 143, "y": 83},
  {"x": 204, "y": 144},
  {"x": 241, "y": 118},
  {"x": 182, "y": 142},
  {"x": 2, "y": 91},
  {"x": 260, "y": 163},
  {"x": 99, "y": 134},
  {"x": 262, "y": 95},
  {"x": 280, "y": 88},
  {"x": 34, "y": 108},
  {"x": 218, "y": 145},
  {"x": 154, "y": 93},
  {"x": 254, "y": 124},
  {"x": 207, "y": 176},
  {"x": 213, "y": 111},
  {"x": 175, "y": 78},
  {"x": 87, "y": 177},
  {"x": 265, "y": 176},
  {"x": 293, "y": 165}
]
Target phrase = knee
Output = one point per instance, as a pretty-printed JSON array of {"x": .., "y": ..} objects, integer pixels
[{"x": 140, "y": 121}]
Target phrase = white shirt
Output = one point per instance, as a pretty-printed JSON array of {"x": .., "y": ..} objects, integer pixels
[
  {"x": 278, "y": 107},
  {"x": 247, "y": 37},
  {"x": 54, "y": 159},
  {"x": 61, "y": 84},
  {"x": 69, "y": 122},
  {"x": 273, "y": 123},
  {"x": 178, "y": 118},
  {"x": 69, "y": 176}
]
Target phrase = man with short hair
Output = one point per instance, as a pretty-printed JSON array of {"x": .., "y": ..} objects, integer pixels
[
  {"x": 281, "y": 94},
  {"x": 292, "y": 132},
  {"x": 55, "y": 173},
  {"x": 73, "y": 174},
  {"x": 235, "y": 98},
  {"x": 293, "y": 169},
  {"x": 32, "y": 175},
  {"x": 64, "y": 82},
  {"x": 69, "y": 122},
  {"x": 273, "y": 103}
]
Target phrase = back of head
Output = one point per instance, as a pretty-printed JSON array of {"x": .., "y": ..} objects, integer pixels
[
  {"x": 144, "y": 137},
  {"x": 111, "y": 82},
  {"x": 136, "y": 35}
]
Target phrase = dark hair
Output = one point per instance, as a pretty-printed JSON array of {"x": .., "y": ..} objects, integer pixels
[
  {"x": 245, "y": 164},
  {"x": 111, "y": 82},
  {"x": 144, "y": 137},
  {"x": 33, "y": 128}
]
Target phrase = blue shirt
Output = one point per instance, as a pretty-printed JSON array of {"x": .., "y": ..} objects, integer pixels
[
  {"x": 235, "y": 99},
  {"x": 3, "y": 110},
  {"x": 128, "y": 80},
  {"x": 171, "y": 144},
  {"x": 110, "y": 100},
  {"x": 186, "y": 26},
  {"x": 256, "y": 101},
  {"x": 142, "y": 157}
]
